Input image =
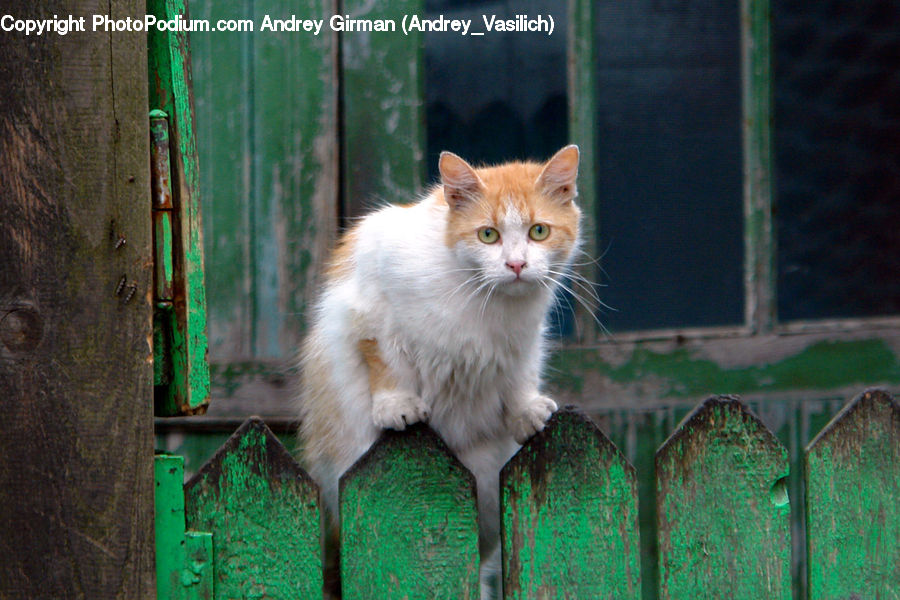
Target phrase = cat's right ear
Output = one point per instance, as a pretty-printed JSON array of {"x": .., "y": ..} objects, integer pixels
[{"x": 462, "y": 185}]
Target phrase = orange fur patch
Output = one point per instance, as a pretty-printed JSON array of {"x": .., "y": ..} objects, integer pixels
[
  {"x": 380, "y": 377},
  {"x": 340, "y": 264},
  {"x": 514, "y": 185}
]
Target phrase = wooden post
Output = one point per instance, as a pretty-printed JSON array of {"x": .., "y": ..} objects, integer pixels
[{"x": 76, "y": 438}]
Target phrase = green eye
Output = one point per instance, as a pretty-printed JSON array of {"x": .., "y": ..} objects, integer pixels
[
  {"x": 488, "y": 235},
  {"x": 539, "y": 232}
]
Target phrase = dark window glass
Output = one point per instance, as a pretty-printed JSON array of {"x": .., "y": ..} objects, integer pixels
[
  {"x": 837, "y": 157},
  {"x": 499, "y": 96},
  {"x": 669, "y": 163}
]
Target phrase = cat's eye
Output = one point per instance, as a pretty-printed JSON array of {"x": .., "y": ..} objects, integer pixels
[
  {"x": 539, "y": 232},
  {"x": 488, "y": 235}
]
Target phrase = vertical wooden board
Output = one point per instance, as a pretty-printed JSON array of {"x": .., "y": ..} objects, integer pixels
[
  {"x": 582, "y": 122},
  {"x": 295, "y": 186},
  {"x": 76, "y": 440},
  {"x": 722, "y": 507},
  {"x": 171, "y": 91},
  {"x": 409, "y": 525},
  {"x": 223, "y": 83},
  {"x": 169, "y": 525},
  {"x": 853, "y": 502},
  {"x": 569, "y": 516},
  {"x": 263, "y": 512},
  {"x": 756, "y": 61},
  {"x": 383, "y": 107}
]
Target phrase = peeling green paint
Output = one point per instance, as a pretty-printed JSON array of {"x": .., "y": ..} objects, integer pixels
[
  {"x": 409, "y": 522},
  {"x": 680, "y": 374},
  {"x": 569, "y": 516},
  {"x": 723, "y": 533},
  {"x": 170, "y": 91},
  {"x": 263, "y": 512},
  {"x": 853, "y": 502}
]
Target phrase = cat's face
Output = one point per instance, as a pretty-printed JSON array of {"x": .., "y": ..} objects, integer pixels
[{"x": 515, "y": 226}]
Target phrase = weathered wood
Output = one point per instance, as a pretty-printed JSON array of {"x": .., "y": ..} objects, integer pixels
[
  {"x": 409, "y": 525},
  {"x": 183, "y": 558},
  {"x": 76, "y": 439},
  {"x": 722, "y": 507},
  {"x": 569, "y": 516},
  {"x": 169, "y": 525},
  {"x": 383, "y": 108},
  {"x": 170, "y": 90},
  {"x": 853, "y": 502},
  {"x": 263, "y": 512},
  {"x": 581, "y": 60},
  {"x": 267, "y": 136}
]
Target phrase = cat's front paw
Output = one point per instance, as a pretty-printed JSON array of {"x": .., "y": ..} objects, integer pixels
[
  {"x": 395, "y": 409},
  {"x": 533, "y": 418}
]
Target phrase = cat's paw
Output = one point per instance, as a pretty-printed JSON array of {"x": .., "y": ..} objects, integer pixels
[
  {"x": 395, "y": 409},
  {"x": 533, "y": 418}
]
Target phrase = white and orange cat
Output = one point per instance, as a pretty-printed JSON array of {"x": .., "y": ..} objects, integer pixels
[{"x": 436, "y": 312}]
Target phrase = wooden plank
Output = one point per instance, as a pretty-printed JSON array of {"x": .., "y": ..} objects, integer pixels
[
  {"x": 722, "y": 507},
  {"x": 383, "y": 108},
  {"x": 759, "y": 262},
  {"x": 582, "y": 124},
  {"x": 169, "y": 525},
  {"x": 409, "y": 525},
  {"x": 263, "y": 512},
  {"x": 223, "y": 85},
  {"x": 295, "y": 180},
  {"x": 76, "y": 440},
  {"x": 569, "y": 516},
  {"x": 853, "y": 502},
  {"x": 169, "y": 57}
]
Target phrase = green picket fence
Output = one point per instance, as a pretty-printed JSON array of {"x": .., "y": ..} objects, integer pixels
[{"x": 247, "y": 525}]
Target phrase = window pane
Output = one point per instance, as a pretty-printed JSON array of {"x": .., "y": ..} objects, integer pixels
[
  {"x": 837, "y": 152},
  {"x": 499, "y": 96},
  {"x": 669, "y": 162}
]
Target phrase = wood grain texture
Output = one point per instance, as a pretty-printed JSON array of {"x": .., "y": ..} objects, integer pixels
[
  {"x": 268, "y": 143},
  {"x": 382, "y": 76},
  {"x": 569, "y": 516},
  {"x": 263, "y": 512},
  {"x": 409, "y": 525},
  {"x": 722, "y": 507},
  {"x": 76, "y": 476},
  {"x": 853, "y": 502}
]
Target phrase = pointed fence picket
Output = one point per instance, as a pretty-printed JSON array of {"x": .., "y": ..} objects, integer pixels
[
  {"x": 569, "y": 502},
  {"x": 248, "y": 524},
  {"x": 409, "y": 524},
  {"x": 852, "y": 499},
  {"x": 722, "y": 507}
]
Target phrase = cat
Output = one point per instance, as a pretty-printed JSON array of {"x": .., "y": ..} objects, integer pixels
[{"x": 436, "y": 311}]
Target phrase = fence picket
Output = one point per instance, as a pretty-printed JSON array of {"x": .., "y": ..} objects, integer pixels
[
  {"x": 409, "y": 525},
  {"x": 569, "y": 516},
  {"x": 722, "y": 507},
  {"x": 852, "y": 492},
  {"x": 263, "y": 512}
]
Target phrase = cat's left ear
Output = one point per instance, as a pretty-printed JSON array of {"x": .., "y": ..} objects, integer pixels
[{"x": 559, "y": 176}]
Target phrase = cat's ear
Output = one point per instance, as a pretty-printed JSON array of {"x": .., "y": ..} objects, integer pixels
[
  {"x": 558, "y": 178},
  {"x": 462, "y": 184}
]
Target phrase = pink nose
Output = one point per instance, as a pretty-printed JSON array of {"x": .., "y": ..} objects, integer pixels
[{"x": 516, "y": 266}]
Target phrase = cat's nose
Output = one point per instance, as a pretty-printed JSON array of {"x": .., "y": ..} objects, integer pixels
[{"x": 516, "y": 266}]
